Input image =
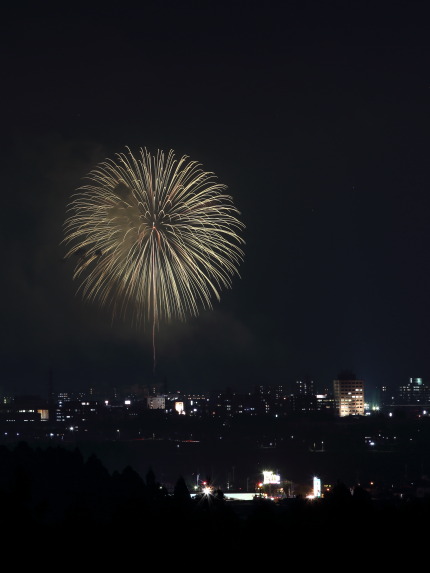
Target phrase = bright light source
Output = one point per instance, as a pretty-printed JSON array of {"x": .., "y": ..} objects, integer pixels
[
  {"x": 317, "y": 487},
  {"x": 270, "y": 477}
]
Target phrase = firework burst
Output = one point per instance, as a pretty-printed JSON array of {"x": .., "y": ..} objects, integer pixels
[{"x": 154, "y": 236}]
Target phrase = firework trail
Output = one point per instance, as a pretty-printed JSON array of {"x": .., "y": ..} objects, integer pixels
[{"x": 154, "y": 236}]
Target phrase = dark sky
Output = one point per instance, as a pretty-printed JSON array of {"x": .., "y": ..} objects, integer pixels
[{"x": 315, "y": 115}]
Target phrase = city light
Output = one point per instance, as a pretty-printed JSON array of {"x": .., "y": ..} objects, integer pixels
[
  {"x": 179, "y": 407},
  {"x": 317, "y": 487},
  {"x": 270, "y": 477}
]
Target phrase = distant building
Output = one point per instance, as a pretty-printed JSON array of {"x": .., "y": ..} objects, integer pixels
[
  {"x": 386, "y": 396},
  {"x": 62, "y": 399},
  {"x": 348, "y": 395},
  {"x": 415, "y": 392},
  {"x": 304, "y": 387},
  {"x": 303, "y": 398},
  {"x": 156, "y": 402},
  {"x": 197, "y": 404},
  {"x": 325, "y": 402}
]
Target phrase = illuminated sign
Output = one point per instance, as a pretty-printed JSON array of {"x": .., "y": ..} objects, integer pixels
[
  {"x": 270, "y": 477},
  {"x": 317, "y": 487}
]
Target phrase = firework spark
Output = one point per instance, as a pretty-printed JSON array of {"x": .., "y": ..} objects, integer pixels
[{"x": 153, "y": 236}]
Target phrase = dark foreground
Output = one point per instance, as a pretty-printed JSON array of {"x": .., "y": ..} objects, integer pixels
[{"x": 56, "y": 500}]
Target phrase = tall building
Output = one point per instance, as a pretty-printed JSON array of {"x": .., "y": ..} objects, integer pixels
[
  {"x": 304, "y": 387},
  {"x": 348, "y": 395},
  {"x": 303, "y": 398}
]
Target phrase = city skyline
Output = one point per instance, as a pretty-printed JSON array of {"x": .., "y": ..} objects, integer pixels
[{"x": 300, "y": 395}]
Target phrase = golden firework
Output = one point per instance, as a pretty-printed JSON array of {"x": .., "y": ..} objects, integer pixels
[{"x": 154, "y": 236}]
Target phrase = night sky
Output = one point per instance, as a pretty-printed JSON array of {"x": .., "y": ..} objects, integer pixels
[{"x": 317, "y": 118}]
